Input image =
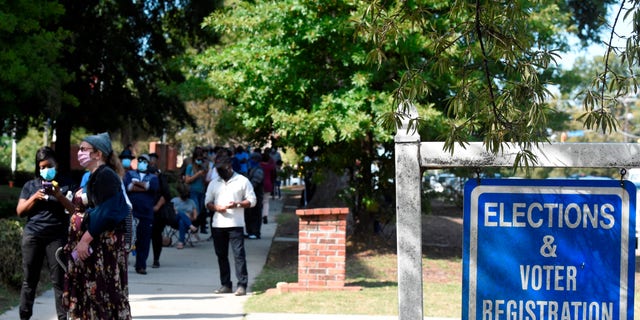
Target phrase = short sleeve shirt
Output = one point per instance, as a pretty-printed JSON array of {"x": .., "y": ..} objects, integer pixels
[
  {"x": 184, "y": 206},
  {"x": 46, "y": 218}
]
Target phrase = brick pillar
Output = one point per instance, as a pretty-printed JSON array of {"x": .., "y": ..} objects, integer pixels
[
  {"x": 167, "y": 154},
  {"x": 321, "y": 251}
]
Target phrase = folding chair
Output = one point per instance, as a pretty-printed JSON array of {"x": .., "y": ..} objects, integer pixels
[{"x": 170, "y": 236}]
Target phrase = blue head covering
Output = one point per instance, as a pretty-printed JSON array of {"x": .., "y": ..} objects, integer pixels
[{"x": 101, "y": 142}]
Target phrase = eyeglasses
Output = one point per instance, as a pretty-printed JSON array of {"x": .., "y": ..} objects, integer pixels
[{"x": 83, "y": 149}]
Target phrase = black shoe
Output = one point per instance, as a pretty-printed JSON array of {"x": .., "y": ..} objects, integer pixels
[
  {"x": 222, "y": 289},
  {"x": 156, "y": 264},
  {"x": 203, "y": 231},
  {"x": 241, "y": 291},
  {"x": 141, "y": 271},
  {"x": 265, "y": 220}
]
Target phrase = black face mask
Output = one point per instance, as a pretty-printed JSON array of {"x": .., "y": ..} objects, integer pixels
[
  {"x": 225, "y": 174},
  {"x": 152, "y": 169}
]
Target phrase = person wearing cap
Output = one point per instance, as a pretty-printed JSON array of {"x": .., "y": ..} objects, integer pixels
[
  {"x": 142, "y": 187},
  {"x": 227, "y": 197},
  {"x": 125, "y": 157},
  {"x": 96, "y": 282}
]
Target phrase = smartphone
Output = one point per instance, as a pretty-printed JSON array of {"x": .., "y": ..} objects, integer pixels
[
  {"x": 48, "y": 187},
  {"x": 74, "y": 254}
]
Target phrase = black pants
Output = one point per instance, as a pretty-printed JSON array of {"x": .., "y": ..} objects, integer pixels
[
  {"x": 156, "y": 235},
  {"x": 35, "y": 250},
  {"x": 222, "y": 239},
  {"x": 253, "y": 219}
]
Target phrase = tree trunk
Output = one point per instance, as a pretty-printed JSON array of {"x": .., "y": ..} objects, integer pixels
[{"x": 63, "y": 143}]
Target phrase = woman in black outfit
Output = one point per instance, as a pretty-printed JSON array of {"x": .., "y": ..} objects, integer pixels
[{"x": 43, "y": 201}]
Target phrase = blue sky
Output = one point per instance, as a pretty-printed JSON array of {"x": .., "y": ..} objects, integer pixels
[{"x": 623, "y": 28}]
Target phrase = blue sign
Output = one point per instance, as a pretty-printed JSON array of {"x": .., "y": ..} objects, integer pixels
[{"x": 548, "y": 249}]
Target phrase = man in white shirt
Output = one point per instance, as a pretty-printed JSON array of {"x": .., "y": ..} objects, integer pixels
[{"x": 227, "y": 197}]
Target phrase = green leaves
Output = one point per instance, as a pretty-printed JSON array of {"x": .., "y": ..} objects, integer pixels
[
  {"x": 293, "y": 69},
  {"x": 486, "y": 64}
]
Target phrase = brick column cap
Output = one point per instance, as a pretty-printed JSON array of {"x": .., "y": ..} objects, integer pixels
[{"x": 322, "y": 211}]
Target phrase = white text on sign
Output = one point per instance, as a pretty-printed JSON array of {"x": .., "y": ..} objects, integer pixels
[{"x": 552, "y": 215}]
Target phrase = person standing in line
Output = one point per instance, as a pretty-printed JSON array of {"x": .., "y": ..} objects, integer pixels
[
  {"x": 125, "y": 157},
  {"x": 253, "y": 216},
  {"x": 212, "y": 174},
  {"x": 195, "y": 176},
  {"x": 142, "y": 188},
  {"x": 242, "y": 157},
  {"x": 43, "y": 202},
  {"x": 227, "y": 197},
  {"x": 96, "y": 283},
  {"x": 269, "y": 169},
  {"x": 163, "y": 196},
  {"x": 277, "y": 160}
]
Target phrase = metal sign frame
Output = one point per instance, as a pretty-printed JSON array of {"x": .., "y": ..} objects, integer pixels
[
  {"x": 569, "y": 240},
  {"x": 412, "y": 155}
]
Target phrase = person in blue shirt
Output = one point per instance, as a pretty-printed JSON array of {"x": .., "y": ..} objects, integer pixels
[
  {"x": 195, "y": 176},
  {"x": 142, "y": 187},
  {"x": 242, "y": 157},
  {"x": 186, "y": 212}
]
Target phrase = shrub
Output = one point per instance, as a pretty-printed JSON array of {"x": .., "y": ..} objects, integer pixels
[
  {"x": 8, "y": 201},
  {"x": 10, "y": 251}
]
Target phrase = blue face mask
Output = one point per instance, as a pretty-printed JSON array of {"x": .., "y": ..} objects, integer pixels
[
  {"x": 48, "y": 173},
  {"x": 126, "y": 163},
  {"x": 198, "y": 161},
  {"x": 142, "y": 166}
]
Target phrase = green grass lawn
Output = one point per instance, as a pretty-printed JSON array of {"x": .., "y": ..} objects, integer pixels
[
  {"x": 376, "y": 274},
  {"x": 442, "y": 290}
]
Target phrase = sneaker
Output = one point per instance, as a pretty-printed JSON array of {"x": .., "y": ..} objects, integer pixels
[
  {"x": 141, "y": 271},
  {"x": 222, "y": 289},
  {"x": 193, "y": 229},
  {"x": 241, "y": 291},
  {"x": 253, "y": 236},
  {"x": 156, "y": 264},
  {"x": 179, "y": 245}
]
